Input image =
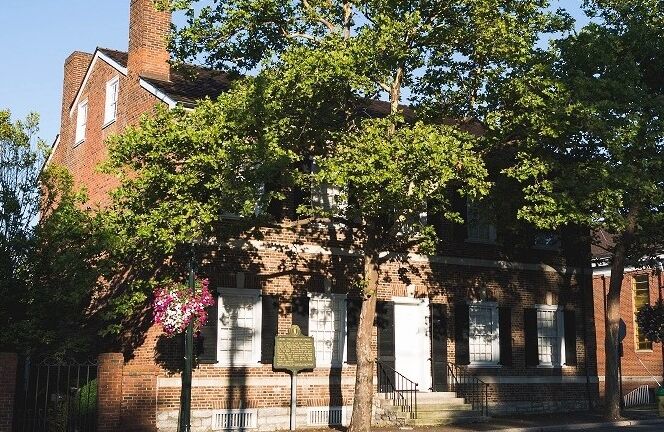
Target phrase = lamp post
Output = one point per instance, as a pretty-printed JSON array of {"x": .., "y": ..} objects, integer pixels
[{"x": 185, "y": 394}]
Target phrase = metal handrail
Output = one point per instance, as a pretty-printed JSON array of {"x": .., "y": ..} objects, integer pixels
[
  {"x": 401, "y": 390},
  {"x": 473, "y": 390}
]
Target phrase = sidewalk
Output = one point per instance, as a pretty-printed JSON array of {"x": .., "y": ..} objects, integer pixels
[{"x": 553, "y": 422}]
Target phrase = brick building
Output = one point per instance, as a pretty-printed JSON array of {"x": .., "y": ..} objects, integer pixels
[
  {"x": 642, "y": 362},
  {"x": 518, "y": 318}
]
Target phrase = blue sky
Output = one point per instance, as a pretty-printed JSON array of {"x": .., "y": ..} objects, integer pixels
[{"x": 40, "y": 34}]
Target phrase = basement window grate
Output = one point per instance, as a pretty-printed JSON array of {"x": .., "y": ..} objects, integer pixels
[
  {"x": 326, "y": 416},
  {"x": 238, "y": 419}
]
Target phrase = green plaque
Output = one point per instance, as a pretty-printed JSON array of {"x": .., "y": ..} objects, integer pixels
[{"x": 294, "y": 352}]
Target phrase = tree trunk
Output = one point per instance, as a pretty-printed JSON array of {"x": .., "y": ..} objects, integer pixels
[
  {"x": 611, "y": 323},
  {"x": 364, "y": 388}
]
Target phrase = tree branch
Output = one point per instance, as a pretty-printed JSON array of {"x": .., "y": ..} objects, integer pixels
[{"x": 331, "y": 27}]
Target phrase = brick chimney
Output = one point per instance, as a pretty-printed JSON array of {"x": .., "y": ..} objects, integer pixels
[
  {"x": 75, "y": 67},
  {"x": 148, "y": 44}
]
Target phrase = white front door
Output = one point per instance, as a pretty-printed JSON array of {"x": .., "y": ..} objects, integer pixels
[{"x": 411, "y": 340}]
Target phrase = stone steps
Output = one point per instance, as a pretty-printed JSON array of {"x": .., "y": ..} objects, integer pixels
[{"x": 435, "y": 409}]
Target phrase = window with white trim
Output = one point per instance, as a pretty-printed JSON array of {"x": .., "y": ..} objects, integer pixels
[
  {"x": 641, "y": 288},
  {"x": 327, "y": 197},
  {"x": 550, "y": 333},
  {"x": 239, "y": 331},
  {"x": 483, "y": 333},
  {"x": 327, "y": 325},
  {"x": 81, "y": 121},
  {"x": 480, "y": 227},
  {"x": 111, "y": 104}
]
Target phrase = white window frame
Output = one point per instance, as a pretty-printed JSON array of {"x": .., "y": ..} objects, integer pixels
[
  {"x": 477, "y": 207},
  {"x": 255, "y": 294},
  {"x": 560, "y": 327},
  {"x": 111, "y": 101},
  {"x": 341, "y": 299},
  {"x": 553, "y": 246},
  {"x": 328, "y": 197},
  {"x": 495, "y": 342},
  {"x": 81, "y": 121}
]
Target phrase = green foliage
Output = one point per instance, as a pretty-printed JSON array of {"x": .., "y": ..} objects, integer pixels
[
  {"x": 21, "y": 156},
  {"x": 589, "y": 122},
  {"x": 54, "y": 310},
  {"x": 650, "y": 319}
]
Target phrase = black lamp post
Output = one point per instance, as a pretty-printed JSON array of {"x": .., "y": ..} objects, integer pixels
[{"x": 185, "y": 394}]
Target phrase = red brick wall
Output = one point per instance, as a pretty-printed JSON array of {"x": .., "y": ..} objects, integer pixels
[
  {"x": 109, "y": 391},
  {"x": 637, "y": 366},
  {"x": 148, "y": 44},
  {"x": 8, "y": 363},
  {"x": 84, "y": 159}
]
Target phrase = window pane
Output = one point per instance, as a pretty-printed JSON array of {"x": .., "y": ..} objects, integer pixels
[
  {"x": 641, "y": 298},
  {"x": 327, "y": 318},
  {"x": 482, "y": 333},
  {"x": 236, "y": 329},
  {"x": 548, "y": 345}
]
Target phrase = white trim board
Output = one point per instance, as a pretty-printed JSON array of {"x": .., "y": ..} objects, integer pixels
[
  {"x": 260, "y": 245},
  {"x": 257, "y": 381},
  {"x": 98, "y": 55},
  {"x": 157, "y": 93}
]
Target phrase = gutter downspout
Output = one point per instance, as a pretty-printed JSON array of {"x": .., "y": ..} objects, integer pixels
[{"x": 585, "y": 343}]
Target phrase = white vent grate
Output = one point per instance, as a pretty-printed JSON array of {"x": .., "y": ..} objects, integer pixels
[
  {"x": 238, "y": 419},
  {"x": 638, "y": 396},
  {"x": 326, "y": 416}
]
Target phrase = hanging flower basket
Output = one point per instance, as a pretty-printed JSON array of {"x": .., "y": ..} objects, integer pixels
[{"x": 175, "y": 305}]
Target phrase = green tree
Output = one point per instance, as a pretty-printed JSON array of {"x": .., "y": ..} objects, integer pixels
[
  {"x": 650, "y": 319},
  {"x": 21, "y": 157},
  {"x": 588, "y": 121},
  {"x": 319, "y": 65}
]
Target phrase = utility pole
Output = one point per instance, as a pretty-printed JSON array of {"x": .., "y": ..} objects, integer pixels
[{"x": 185, "y": 394}]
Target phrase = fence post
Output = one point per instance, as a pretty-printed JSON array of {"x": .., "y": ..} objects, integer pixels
[
  {"x": 109, "y": 391},
  {"x": 8, "y": 363}
]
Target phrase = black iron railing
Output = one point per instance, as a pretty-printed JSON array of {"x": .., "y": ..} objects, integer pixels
[
  {"x": 56, "y": 395},
  {"x": 397, "y": 388},
  {"x": 473, "y": 390}
]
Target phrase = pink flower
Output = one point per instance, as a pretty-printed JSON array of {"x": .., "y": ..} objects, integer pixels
[{"x": 175, "y": 306}]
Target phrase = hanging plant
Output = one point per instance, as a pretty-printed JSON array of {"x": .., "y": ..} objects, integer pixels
[{"x": 175, "y": 305}]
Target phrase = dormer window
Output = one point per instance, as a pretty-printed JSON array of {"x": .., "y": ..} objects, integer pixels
[
  {"x": 111, "y": 105},
  {"x": 480, "y": 227},
  {"x": 81, "y": 121}
]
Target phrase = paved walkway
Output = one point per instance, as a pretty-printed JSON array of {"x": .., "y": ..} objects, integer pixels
[
  {"x": 558, "y": 422},
  {"x": 550, "y": 422}
]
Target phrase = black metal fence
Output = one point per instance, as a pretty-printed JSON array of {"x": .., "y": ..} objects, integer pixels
[
  {"x": 473, "y": 390},
  {"x": 56, "y": 395},
  {"x": 397, "y": 388}
]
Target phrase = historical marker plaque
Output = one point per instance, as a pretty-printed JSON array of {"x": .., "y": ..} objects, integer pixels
[{"x": 294, "y": 352}]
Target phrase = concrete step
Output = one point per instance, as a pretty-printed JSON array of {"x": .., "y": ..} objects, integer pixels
[
  {"x": 427, "y": 395},
  {"x": 451, "y": 405},
  {"x": 445, "y": 417},
  {"x": 423, "y": 396}
]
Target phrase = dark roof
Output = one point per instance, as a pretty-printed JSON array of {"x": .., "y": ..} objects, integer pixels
[
  {"x": 191, "y": 83},
  {"x": 602, "y": 245},
  {"x": 117, "y": 56},
  {"x": 188, "y": 83}
]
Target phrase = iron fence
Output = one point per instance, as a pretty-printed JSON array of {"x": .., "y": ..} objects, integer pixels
[{"x": 56, "y": 395}]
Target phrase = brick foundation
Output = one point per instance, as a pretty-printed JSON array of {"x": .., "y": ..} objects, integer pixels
[{"x": 8, "y": 363}]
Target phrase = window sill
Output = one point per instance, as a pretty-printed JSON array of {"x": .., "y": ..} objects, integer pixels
[
  {"x": 108, "y": 123},
  {"x": 78, "y": 143},
  {"x": 482, "y": 242},
  {"x": 644, "y": 350},
  {"x": 237, "y": 365},
  {"x": 485, "y": 365},
  {"x": 547, "y": 248},
  {"x": 549, "y": 366}
]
